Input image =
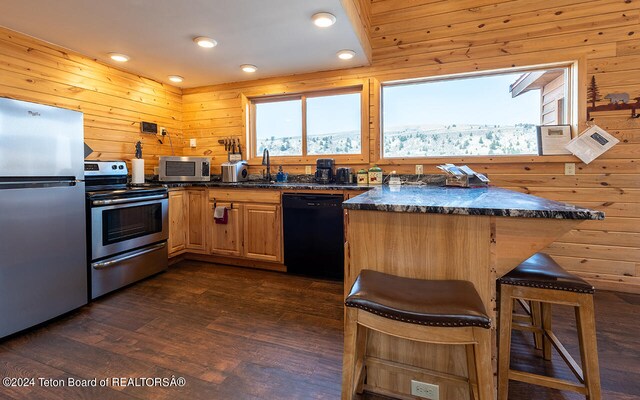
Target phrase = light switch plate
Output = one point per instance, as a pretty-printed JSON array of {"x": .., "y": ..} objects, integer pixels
[
  {"x": 425, "y": 390},
  {"x": 307, "y": 170},
  {"x": 192, "y": 142},
  {"x": 419, "y": 169},
  {"x": 569, "y": 168}
]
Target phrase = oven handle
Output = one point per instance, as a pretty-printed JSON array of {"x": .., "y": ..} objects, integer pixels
[
  {"x": 115, "y": 260},
  {"x": 127, "y": 200}
]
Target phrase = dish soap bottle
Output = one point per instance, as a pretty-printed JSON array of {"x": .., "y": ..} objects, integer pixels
[{"x": 281, "y": 176}]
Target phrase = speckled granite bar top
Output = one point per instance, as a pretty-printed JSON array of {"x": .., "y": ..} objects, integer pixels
[{"x": 466, "y": 201}]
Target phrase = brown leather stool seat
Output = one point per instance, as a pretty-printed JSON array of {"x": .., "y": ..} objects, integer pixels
[
  {"x": 541, "y": 271},
  {"x": 541, "y": 282},
  {"x": 418, "y": 301},
  {"x": 444, "y": 312}
]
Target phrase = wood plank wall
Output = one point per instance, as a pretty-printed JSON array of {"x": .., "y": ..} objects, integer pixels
[
  {"x": 113, "y": 102},
  {"x": 419, "y": 38}
]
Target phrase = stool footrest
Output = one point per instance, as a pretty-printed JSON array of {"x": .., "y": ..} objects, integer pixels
[
  {"x": 547, "y": 381},
  {"x": 524, "y": 327}
]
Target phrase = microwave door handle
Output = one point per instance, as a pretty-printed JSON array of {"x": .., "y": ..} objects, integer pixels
[{"x": 119, "y": 259}]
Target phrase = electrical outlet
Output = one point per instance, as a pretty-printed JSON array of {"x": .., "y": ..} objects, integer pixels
[
  {"x": 162, "y": 130},
  {"x": 425, "y": 390},
  {"x": 569, "y": 168},
  {"x": 419, "y": 169},
  {"x": 192, "y": 143},
  {"x": 307, "y": 169}
]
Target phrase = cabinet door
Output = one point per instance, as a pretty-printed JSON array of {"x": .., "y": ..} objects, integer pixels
[
  {"x": 262, "y": 232},
  {"x": 225, "y": 239},
  {"x": 349, "y": 194},
  {"x": 177, "y": 232},
  {"x": 195, "y": 221}
]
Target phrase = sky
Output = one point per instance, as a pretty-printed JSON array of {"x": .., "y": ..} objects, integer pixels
[
  {"x": 339, "y": 113},
  {"x": 279, "y": 119},
  {"x": 327, "y": 114},
  {"x": 460, "y": 101}
]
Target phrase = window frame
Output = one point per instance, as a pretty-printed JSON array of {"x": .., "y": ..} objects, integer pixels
[
  {"x": 575, "y": 115},
  {"x": 304, "y": 158}
]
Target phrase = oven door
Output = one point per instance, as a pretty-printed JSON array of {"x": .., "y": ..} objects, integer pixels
[{"x": 122, "y": 227}]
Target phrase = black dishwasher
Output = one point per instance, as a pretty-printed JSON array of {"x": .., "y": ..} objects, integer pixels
[{"x": 314, "y": 235}]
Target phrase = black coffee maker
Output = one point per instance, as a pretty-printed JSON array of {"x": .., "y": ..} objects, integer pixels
[{"x": 325, "y": 170}]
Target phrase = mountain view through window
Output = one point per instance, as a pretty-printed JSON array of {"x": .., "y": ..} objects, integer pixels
[{"x": 487, "y": 115}]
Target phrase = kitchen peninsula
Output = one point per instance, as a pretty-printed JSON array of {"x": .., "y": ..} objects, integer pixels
[{"x": 430, "y": 232}]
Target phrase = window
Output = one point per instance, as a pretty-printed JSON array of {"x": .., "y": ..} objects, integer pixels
[
  {"x": 473, "y": 116},
  {"x": 312, "y": 124},
  {"x": 279, "y": 127}
]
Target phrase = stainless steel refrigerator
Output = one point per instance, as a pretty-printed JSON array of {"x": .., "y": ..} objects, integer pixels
[{"x": 43, "y": 271}]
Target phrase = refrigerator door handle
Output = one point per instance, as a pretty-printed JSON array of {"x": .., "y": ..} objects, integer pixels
[{"x": 36, "y": 184}]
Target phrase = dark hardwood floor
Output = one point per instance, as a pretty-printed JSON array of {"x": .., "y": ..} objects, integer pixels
[{"x": 236, "y": 333}]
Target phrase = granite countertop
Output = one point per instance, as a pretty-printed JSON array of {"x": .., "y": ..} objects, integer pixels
[
  {"x": 268, "y": 185},
  {"x": 296, "y": 182},
  {"x": 466, "y": 201}
]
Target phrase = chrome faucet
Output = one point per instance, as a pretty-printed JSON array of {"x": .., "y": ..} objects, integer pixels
[{"x": 266, "y": 160}]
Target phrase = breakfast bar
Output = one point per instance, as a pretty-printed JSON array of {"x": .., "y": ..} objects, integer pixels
[{"x": 438, "y": 233}]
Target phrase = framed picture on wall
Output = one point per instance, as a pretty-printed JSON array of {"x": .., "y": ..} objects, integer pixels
[{"x": 553, "y": 138}]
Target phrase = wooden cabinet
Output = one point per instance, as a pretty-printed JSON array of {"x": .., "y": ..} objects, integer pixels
[
  {"x": 349, "y": 194},
  {"x": 253, "y": 231},
  {"x": 252, "y": 235},
  {"x": 245, "y": 195},
  {"x": 187, "y": 214},
  {"x": 225, "y": 239},
  {"x": 262, "y": 228},
  {"x": 254, "y": 224},
  {"x": 196, "y": 236},
  {"x": 177, "y": 233}
]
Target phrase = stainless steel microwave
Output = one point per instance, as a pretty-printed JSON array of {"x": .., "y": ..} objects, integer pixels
[{"x": 184, "y": 169}]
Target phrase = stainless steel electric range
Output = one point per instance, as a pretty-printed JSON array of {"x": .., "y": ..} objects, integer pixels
[{"x": 127, "y": 227}]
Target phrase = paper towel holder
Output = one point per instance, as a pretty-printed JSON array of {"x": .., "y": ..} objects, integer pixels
[{"x": 138, "y": 149}]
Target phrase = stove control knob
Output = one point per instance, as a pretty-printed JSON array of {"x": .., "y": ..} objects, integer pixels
[
  {"x": 114, "y": 167},
  {"x": 120, "y": 166}
]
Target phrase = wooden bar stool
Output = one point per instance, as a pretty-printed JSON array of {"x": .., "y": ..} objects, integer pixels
[
  {"x": 531, "y": 320},
  {"x": 543, "y": 282},
  {"x": 442, "y": 312}
]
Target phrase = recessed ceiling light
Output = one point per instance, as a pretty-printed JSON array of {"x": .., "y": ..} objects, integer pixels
[
  {"x": 249, "y": 68},
  {"x": 346, "y": 54},
  {"x": 205, "y": 42},
  {"x": 323, "y": 19},
  {"x": 176, "y": 78},
  {"x": 119, "y": 57}
]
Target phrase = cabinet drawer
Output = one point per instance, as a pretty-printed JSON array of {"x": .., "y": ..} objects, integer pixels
[{"x": 245, "y": 195}]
